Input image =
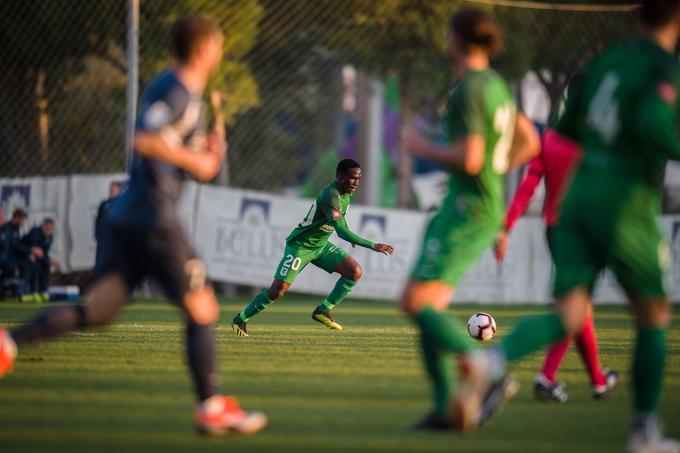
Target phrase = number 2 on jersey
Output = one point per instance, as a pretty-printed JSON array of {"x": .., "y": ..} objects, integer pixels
[{"x": 503, "y": 123}]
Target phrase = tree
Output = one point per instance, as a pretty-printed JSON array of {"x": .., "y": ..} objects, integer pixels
[
  {"x": 64, "y": 76},
  {"x": 556, "y": 45}
]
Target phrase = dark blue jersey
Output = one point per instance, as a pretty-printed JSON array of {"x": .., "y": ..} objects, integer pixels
[
  {"x": 37, "y": 238},
  {"x": 102, "y": 218},
  {"x": 167, "y": 107}
]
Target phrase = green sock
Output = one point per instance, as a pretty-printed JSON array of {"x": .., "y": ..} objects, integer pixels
[
  {"x": 342, "y": 288},
  {"x": 648, "y": 368},
  {"x": 440, "y": 368},
  {"x": 255, "y": 306},
  {"x": 449, "y": 334},
  {"x": 532, "y": 334}
]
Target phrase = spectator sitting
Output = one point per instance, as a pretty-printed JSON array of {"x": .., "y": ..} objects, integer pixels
[
  {"x": 103, "y": 211},
  {"x": 16, "y": 258},
  {"x": 41, "y": 237}
]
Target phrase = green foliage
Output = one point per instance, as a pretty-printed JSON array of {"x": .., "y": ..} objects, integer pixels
[
  {"x": 402, "y": 37},
  {"x": 80, "y": 52},
  {"x": 556, "y": 45},
  {"x": 239, "y": 21},
  {"x": 65, "y": 62}
]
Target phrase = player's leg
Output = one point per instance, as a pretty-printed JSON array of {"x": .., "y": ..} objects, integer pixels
[
  {"x": 105, "y": 300},
  {"x": 29, "y": 272},
  {"x": 25, "y": 269},
  {"x": 546, "y": 387},
  {"x": 182, "y": 276},
  {"x": 652, "y": 321},
  {"x": 293, "y": 261},
  {"x": 577, "y": 263},
  {"x": 451, "y": 246},
  {"x": 335, "y": 259},
  {"x": 425, "y": 302},
  {"x": 44, "y": 278},
  {"x": 602, "y": 380},
  {"x": 639, "y": 258},
  {"x": 263, "y": 299}
]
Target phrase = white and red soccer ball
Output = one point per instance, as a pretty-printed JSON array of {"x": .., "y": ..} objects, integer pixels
[{"x": 481, "y": 326}]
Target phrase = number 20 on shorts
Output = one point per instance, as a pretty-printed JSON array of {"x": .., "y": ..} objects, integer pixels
[{"x": 290, "y": 263}]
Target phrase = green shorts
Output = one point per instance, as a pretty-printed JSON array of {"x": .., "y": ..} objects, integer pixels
[
  {"x": 452, "y": 245},
  {"x": 610, "y": 222},
  {"x": 296, "y": 258}
]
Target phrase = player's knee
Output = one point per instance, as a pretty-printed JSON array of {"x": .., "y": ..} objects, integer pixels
[
  {"x": 573, "y": 318},
  {"x": 573, "y": 309},
  {"x": 277, "y": 291},
  {"x": 356, "y": 273},
  {"x": 655, "y": 313},
  {"x": 409, "y": 303},
  {"x": 201, "y": 306}
]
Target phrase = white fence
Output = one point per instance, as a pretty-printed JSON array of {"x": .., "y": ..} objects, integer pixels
[{"x": 240, "y": 235}]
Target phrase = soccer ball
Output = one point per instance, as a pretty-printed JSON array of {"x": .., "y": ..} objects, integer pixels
[{"x": 481, "y": 326}]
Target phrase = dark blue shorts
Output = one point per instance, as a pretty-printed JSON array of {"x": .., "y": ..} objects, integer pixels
[{"x": 161, "y": 252}]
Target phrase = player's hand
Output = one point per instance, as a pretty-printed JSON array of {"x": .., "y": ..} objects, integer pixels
[
  {"x": 414, "y": 142},
  {"x": 501, "y": 247},
  {"x": 37, "y": 252},
  {"x": 55, "y": 265},
  {"x": 385, "y": 249},
  {"x": 216, "y": 144},
  {"x": 205, "y": 166}
]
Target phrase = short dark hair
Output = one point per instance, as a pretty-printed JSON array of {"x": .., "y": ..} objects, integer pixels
[
  {"x": 345, "y": 165},
  {"x": 475, "y": 28},
  {"x": 188, "y": 33},
  {"x": 657, "y": 13},
  {"x": 19, "y": 214},
  {"x": 48, "y": 221}
]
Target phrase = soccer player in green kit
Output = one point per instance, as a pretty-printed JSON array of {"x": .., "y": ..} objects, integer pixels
[
  {"x": 487, "y": 138},
  {"x": 625, "y": 117},
  {"x": 309, "y": 243}
]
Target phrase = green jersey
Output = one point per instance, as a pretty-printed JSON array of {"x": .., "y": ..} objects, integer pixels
[
  {"x": 624, "y": 113},
  {"x": 481, "y": 104},
  {"x": 326, "y": 215},
  {"x": 472, "y": 213}
]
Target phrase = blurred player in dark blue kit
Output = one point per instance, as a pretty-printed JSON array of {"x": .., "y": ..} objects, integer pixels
[{"x": 143, "y": 236}]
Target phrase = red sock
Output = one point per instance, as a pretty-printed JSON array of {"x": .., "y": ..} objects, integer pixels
[
  {"x": 587, "y": 346},
  {"x": 553, "y": 358}
]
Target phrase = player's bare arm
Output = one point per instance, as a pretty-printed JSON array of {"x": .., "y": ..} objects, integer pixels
[
  {"x": 218, "y": 138},
  {"x": 526, "y": 144},
  {"x": 203, "y": 165},
  {"x": 466, "y": 154}
]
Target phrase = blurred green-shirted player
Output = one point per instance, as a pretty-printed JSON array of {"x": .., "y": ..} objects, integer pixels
[
  {"x": 625, "y": 117},
  {"x": 309, "y": 243},
  {"x": 482, "y": 124}
]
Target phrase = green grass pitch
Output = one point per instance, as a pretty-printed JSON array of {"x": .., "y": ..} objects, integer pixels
[{"x": 126, "y": 388}]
